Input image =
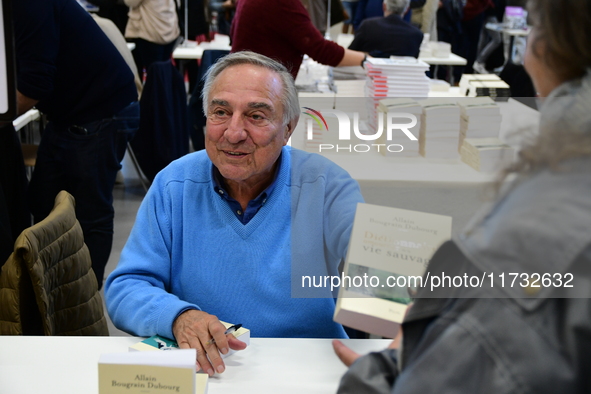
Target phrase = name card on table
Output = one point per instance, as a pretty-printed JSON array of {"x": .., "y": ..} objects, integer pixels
[
  {"x": 150, "y": 373},
  {"x": 388, "y": 253}
]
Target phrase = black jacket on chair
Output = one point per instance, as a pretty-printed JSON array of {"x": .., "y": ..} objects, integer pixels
[{"x": 163, "y": 135}]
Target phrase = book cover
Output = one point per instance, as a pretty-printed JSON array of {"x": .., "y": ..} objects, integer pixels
[{"x": 388, "y": 253}]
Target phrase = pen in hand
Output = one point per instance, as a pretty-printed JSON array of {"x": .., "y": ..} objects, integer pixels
[{"x": 230, "y": 330}]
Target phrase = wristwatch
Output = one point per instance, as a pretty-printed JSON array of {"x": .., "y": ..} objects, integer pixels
[{"x": 363, "y": 61}]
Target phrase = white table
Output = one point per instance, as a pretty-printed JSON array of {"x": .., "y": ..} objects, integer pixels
[
  {"x": 450, "y": 61},
  {"x": 445, "y": 187},
  {"x": 510, "y": 32},
  {"x": 69, "y": 365},
  {"x": 193, "y": 51}
]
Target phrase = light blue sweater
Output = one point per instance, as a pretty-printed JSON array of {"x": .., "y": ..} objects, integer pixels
[{"x": 187, "y": 249}]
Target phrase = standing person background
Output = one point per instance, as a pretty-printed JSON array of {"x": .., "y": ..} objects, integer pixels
[
  {"x": 449, "y": 29},
  {"x": 114, "y": 10},
  {"x": 283, "y": 31},
  {"x": 521, "y": 338},
  {"x": 153, "y": 26},
  {"x": 425, "y": 18},
  {"x": 367, "y": 9},
  {"x": 350, "y": 7},
  {"x": 70, "y": 70},
  {"x": 475, "y": 12}
]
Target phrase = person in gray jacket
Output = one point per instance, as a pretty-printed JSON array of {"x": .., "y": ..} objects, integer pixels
[{"x": 528, "y": 328}]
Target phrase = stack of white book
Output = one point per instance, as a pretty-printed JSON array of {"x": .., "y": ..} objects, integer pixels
[
  {"x": 480, "y": 118},
  {"x": 396, "y": 77},
  {"x": 491, "y": 85},
  {"x": 403, "y": 106},
  {"x": 440, "y": 128},
  {"x": 486, "y": 154}
]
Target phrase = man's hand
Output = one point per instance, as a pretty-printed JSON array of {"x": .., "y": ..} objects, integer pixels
[
  {"x": 195, "y": 329},
  {"x": 24, "y": 103}
]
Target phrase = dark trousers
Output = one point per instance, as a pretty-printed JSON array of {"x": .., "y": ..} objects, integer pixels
[
  {"x": 146, "y": 53},
  {"x": 14, "y": 212},
  {"x": 84, "y": 160}
]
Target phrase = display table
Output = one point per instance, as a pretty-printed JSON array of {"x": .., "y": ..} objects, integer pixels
[
  {"x": 69, "y": 365},
  {"x": 445, "y": 187},
  {"x": 500, "y": 27},
  {"x": 449, "y": 61},
  {"x": 193, "y": 51}
]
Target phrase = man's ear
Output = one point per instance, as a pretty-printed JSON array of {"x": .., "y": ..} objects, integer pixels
[{"x": 289, "y": 128}]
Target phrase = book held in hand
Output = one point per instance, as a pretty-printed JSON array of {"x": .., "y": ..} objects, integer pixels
[{"x": 388, "y": 253}]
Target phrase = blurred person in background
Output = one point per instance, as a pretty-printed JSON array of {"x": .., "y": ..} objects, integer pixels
[
  {"x": 389, "y": 35},
  {"x": 69, "y": 69},
  {"x": 283, "y": 31},
  {"x": 350, "y": 7},
  {"x": 153, "y": 26}
]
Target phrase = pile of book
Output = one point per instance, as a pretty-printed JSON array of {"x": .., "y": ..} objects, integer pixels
[
  {"x": 440, "y": 128},
  {"x": 396, "y": 77},
  {"x": 477, "y": 85},
  {"x": 480, "y": 118},
  {"x": 402, "y": 106},
  {"x": 393, "y": 77},
  {"x": 486, "y": 154}
]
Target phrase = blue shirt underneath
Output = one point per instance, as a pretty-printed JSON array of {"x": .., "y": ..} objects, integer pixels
[{"x": 253, "y": 205}]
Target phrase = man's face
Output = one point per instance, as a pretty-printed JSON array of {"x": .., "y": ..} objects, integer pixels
[{"x": 245, "y": 130}]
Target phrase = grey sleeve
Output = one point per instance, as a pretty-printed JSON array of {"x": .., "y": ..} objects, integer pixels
[{"x": 374, "y": 373}]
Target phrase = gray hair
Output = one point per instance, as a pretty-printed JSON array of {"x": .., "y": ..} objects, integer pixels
[
  {"x": 289, "y": 96},
  {"x": 397, "y": 7}
]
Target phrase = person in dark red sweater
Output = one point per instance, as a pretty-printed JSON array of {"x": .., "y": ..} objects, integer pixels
[{"x": 282, "y": 30}]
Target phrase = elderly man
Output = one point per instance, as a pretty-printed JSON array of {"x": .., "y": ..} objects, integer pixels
[
  {"x": 389, "y": 35},
  {"x": 226, "y": 232}
]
